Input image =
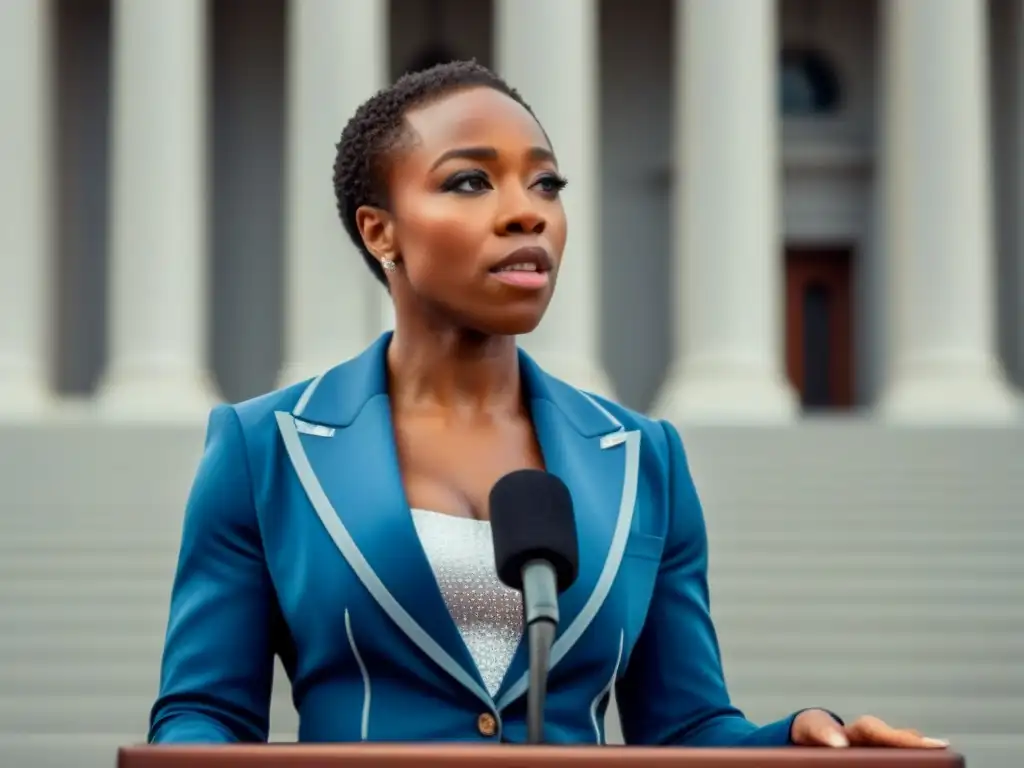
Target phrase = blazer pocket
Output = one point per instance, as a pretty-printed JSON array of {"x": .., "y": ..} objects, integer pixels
[{"x": 645, "y": 546}]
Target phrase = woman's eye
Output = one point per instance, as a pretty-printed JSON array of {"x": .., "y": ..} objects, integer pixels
[
  {"x": 551, "y": 185},
  {"x": 467, "y": 183}
]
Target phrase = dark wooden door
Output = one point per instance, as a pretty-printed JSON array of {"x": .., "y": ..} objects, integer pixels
[{"x": 819, "y": 326}]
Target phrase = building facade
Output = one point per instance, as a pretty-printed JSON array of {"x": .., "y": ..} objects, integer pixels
[{"x": 776, "y": 206}]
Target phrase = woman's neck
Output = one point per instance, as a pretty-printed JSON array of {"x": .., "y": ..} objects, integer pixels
[{"x": 454, "y": 370}]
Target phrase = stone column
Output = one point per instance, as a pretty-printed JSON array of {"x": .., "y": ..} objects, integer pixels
[
  {"x": 333, "y": 305},
  {"x": 564, "y": 98},
  {"x": 939, "y": 221},
  {"x": 1018, "y": 216},
  {"x": 157, "y": 319},
  {"x": 26, "y": 224},
  {"x": 728, "y": 363}
]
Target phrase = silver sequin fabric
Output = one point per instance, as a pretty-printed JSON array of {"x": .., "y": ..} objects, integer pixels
[{"x": 488, "y": 614}]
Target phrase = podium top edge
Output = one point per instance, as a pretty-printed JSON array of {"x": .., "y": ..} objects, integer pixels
[{"x": 518, "y": 756}]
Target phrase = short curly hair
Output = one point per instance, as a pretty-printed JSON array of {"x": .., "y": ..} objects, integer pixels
[{"x": 378, "y": 126}]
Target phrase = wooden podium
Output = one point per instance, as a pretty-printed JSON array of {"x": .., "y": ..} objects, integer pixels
[{"x": 508, "y": 756}]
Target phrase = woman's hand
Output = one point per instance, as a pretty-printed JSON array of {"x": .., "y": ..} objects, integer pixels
[{"x": 817, "y": 728}]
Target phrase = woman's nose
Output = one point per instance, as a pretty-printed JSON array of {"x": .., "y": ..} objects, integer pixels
[{"x": 520, "y": 216}]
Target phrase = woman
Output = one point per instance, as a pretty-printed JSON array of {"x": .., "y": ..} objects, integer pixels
[{"x": 342, "y": 523}]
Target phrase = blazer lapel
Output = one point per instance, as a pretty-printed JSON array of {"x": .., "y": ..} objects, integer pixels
[
  {"x": 598, "y": 460},
  {"x": 340, "y": 441}
]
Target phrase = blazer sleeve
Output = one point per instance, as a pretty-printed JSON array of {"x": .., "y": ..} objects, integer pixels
[
  {"x": 673, "y": 690},
  {"x": 217, "y": 665}
]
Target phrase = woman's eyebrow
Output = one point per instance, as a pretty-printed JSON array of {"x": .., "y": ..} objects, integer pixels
[
  {"x": 466, "y": 153},
  {"x": 542, "y": 154}
]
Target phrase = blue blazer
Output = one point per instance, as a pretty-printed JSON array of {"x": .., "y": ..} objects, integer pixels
[{"x": 298, "y": 542}]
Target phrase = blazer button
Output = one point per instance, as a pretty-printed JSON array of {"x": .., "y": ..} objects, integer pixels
[{"x": 486, "y": 724}]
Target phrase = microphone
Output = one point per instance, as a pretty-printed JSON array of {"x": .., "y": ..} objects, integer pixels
[{"x": 536, "y": 553}]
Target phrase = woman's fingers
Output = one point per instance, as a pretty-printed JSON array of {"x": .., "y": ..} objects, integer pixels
[
  {"x": 871, "y": 732},
  {"x": 816, "y": 728}
]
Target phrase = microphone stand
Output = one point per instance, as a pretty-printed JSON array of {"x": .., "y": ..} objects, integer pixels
[
  {"x": 540, "y": 607},
  {"x": 540, "y": 635}
]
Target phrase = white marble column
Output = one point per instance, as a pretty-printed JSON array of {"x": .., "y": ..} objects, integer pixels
[
  {"x": 157, "y": 318},
  {"x": 337, "y": 58},
  {"x": 1018, "y": 218},
  {"x": 565, "y": 100},
  {"x": 728, "y": 364},
  {"x": 26, "y": 225},
  {"x": 939, "y": 220}
]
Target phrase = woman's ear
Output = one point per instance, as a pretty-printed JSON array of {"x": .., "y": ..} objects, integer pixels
[{"x": 377, "y": 230}]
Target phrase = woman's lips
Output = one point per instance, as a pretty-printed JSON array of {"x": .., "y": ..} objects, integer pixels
[{"x": 521, "y": 278}]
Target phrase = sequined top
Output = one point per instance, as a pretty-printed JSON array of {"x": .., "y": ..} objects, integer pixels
[{"x": 488, "y": 614}]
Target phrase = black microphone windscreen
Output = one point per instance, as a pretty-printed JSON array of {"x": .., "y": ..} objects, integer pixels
[{"x": 532, "y": 519}]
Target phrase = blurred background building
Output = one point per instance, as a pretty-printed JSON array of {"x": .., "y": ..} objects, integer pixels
[{"x": 796, "y": 230}]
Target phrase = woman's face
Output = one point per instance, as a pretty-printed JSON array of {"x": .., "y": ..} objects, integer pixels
[{"x": 475, "y": 216}]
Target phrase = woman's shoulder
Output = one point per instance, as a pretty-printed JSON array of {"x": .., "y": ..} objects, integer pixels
[
  {"x": 257, "y": 416},
  {"x": 653, "y": 431}
]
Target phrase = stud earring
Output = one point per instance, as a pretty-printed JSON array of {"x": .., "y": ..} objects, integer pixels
[{"x": 389, "y": 265}]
